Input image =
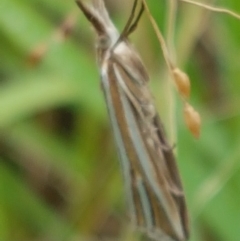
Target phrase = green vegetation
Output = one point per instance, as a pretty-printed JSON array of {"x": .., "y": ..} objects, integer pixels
[{"x": 59, "y": 174}]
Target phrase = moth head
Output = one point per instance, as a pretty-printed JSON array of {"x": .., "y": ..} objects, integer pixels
[{"x": 104, "y": 42}]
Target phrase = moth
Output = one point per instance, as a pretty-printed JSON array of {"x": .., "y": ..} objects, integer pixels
[{"x": 154, "y": 191}]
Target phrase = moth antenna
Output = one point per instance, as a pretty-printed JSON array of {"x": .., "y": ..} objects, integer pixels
[
  {"x": 100, "y": 7},
  {"x": 92, "y": 17}
]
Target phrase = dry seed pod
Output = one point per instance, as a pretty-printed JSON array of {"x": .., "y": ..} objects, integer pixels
[
  {"x": 182, "y": 81},
  {"x": 67, "y": 26},
  {"x": 37, "y": 54},
  {"x": 192, "y": 120}
]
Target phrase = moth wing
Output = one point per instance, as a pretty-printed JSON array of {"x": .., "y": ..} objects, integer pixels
[{"x": 162, "y": 190}]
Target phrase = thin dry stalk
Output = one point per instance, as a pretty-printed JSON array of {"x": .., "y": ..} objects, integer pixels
[{"x": 213, "y": 9}]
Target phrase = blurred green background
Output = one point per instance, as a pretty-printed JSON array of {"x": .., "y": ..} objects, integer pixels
[{"x": 59, "y": 174}]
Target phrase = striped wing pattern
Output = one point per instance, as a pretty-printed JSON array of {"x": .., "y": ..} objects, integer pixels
[
  {"x": 151, "y": 178},
  {"x": 155, "y": 196}
]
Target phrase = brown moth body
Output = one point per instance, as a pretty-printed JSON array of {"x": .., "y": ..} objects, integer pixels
[{"x": 154, "y": 190}]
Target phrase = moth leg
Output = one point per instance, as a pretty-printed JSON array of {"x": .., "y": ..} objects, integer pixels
[
  {"x": 130, "y": 25},
  {"x": 169, "y": 148},
  {"x": 92, "y": 17},
  {"x": 130, "y": 19},
  {"x": 135, "y": 23}
]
